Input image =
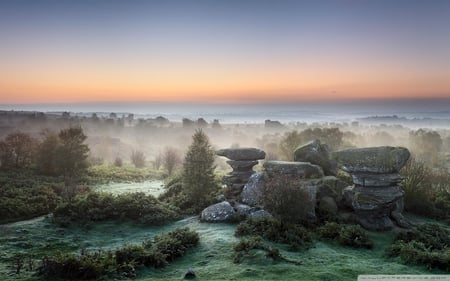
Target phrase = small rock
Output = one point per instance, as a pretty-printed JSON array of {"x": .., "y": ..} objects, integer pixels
[
  {"x": 190, "y": 274},
  {"x": 220, "y": 212},
  {"x": 260, "y": 214}
]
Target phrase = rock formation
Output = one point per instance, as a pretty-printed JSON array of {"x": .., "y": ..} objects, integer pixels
[
  {"x": 377, "y": 195},
  {"x": 242, "y": 161},
  {"x": 318, "y": 154},
  {"x": 300, "y": 176}
]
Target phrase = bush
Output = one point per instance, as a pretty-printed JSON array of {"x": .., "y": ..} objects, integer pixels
[
  {"x": 347, "y": 235},
  {"x": 136, "y": 207},
  {"x": 138, "y": 158},
  {"x": 274, "y": 230},
  {"x": 123, "y": 262},
  {"x": 245, "y": 246},
  {"x": 24, "y": 195},
  {"x": 428, "y": 245},
  {"x": 427, "y": 191},
  {"x": 287, "y": 199}
]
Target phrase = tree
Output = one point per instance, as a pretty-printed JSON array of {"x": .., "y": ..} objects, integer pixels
[
  {"x": 17, "y": 150},
  {"x": 171, "y": 159},
  {"x": 199, "y": 183},
  {"x": 138, "y": 158},
  {"x": 47, "y": 155},
  {"x": 427, "y": 146},
  {"x": 71, "y": 157}
]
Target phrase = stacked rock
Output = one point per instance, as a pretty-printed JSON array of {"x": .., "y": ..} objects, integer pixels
[
  {"x": 242, "y": 161},
  {"x": 377, "y": 195}
]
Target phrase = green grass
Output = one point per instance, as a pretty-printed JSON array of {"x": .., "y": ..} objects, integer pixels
[
  {"x": 103, "y": 174},
  {"x": 149, "y": 187},
  {"x": 211, "y": 260}
]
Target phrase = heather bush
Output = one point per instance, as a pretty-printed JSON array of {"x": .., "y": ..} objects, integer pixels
[
  {"x": 122, "y": 262},
  {"x": 428, "y": 244},
  {"x": 274, "y": 230},
  {"x": 347, "y": 235}
]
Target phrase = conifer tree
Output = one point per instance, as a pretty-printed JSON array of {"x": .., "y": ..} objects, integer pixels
[{"x": 199, "y": 183}]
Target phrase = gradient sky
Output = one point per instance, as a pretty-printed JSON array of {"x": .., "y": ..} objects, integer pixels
[{"x": 223, "y": 51}]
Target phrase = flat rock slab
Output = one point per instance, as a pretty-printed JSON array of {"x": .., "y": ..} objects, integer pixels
[
  {"x": 220, "y": 212},
  {"x": 242, "y": 154},
  {"x": 302, "y": 169},
  {"x": 379, "y": 160},
  {"x": 375, "y": 180}
]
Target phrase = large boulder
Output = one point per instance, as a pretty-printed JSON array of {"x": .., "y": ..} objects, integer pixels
[
  {"x": 220, "y": 212},
  {"x": 253, "y": 190},
  {"x": 301, "y": 169},
  {"x": 379, "y": 160},
  {"x": 318, "y": 154},
  {"x": 242, "y": 154}
]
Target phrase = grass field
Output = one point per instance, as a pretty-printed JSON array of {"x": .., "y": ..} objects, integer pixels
[{"x": 211, "y": 260}]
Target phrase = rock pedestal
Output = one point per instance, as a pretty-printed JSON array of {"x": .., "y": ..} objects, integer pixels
[
  {"x": 242, "y": 161},
  {"x": 377, "y": 195}
]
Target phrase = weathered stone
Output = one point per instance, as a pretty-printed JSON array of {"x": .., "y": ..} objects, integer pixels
[
  {"x": 242, "y": 154},
  {"x": 243, "y": 210},
  {"x": 260, "y": 214},
  {"x": 374, "y": 206},
  {"x": 242, "y": 165},
  {"x": 328, "y": 205},
  {"x": 251, "y": 194},
  {"x": 220, "y": 212},
  {"x": 237, "y": 177},
  {"x": 332, "y": 187},
  {"x": 376, "y": 198},
  {"x": 301, "y": 169},
  {"x": 190, "y": 274},
  {"x": 317, "y": 154},
  {"x": 373, "y": 180},
  {"x": 379, "y": 160}
]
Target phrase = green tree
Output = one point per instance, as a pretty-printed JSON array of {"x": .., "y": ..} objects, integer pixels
[
  {"x": 71, "y": 157},
  {"x": 17, "y": 150},
  {"x": 47, "y": 155},
  {"x": 199, "y": 183}
]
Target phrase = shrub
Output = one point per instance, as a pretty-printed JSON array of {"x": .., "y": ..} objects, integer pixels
[
  {"x": 428, "y": 245},
  {"x": 24, "y": 195},
  {"x": 347, "y": 235},
  {"x": 136, "y": 207},
  {"x": 427, "y": 191},
  {"x": 123, "y": 262},
  {"x": 274, "y": 230},
  {"x": 138, "y": 158},
  {"x": 287, "y": 199},
  {"x": 245, "y": 246}
]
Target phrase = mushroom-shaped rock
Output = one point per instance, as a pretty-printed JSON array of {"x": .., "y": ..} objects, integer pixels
[
  {"x": 242, "y": 154},
  {"x": 318, "y": 154},
  {"x": 220, "y": 212},
  {"x": 301, "y": 169},
  {"x": 379, "y": 160}
]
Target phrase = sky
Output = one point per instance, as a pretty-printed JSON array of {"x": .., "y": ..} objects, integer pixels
[{"x": 60, "y": 51}]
